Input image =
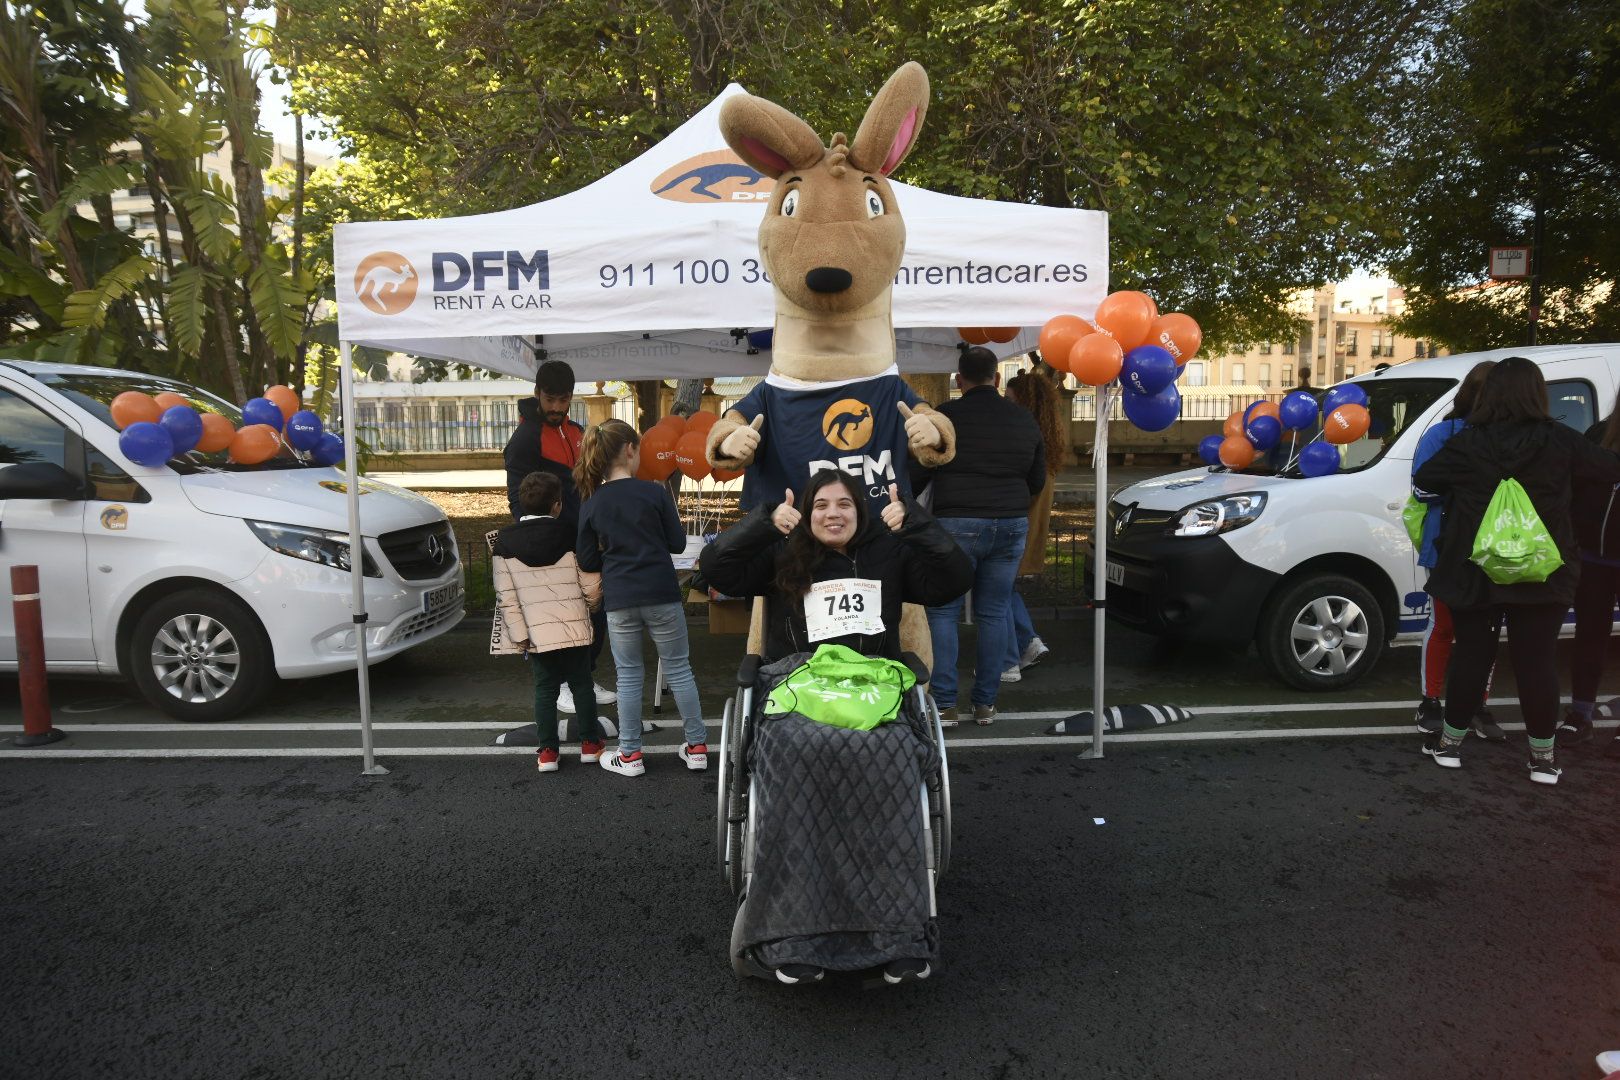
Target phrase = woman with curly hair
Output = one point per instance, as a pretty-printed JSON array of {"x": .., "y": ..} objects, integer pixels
[{"x": 1039, "y": 395}]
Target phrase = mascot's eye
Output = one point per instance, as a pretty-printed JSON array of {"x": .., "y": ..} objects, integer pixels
[
  {"x": 790, "y": 203},
  {"x": 874, "y": 204}
]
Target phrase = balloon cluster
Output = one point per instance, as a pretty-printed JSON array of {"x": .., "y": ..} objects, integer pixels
[
  {"x": 677, "y": 443},
  {"x": 1259, "y": 427},
  {"x": 156, "y": 427},
  {"x": 984, "y": 335},
  {"x": 1130, "y": 341}
]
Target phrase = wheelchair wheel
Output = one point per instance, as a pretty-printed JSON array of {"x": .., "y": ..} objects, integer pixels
[
  {"x": 721, "y": 800},
  {"x": 939, "y": 791}
]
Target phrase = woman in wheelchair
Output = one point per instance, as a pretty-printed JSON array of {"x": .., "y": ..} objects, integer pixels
[{"x": 831, "y": 836}]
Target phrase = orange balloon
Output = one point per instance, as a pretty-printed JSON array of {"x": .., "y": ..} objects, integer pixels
[
  {"x": 283, "y": 398},
  {"x": 1262, "y": 408},
  {"x": 1096, "y": 359},
  {"x": 672, "y": 423},
  {"x": 726, "y": 474},
  {"x": 689, "y": 456},
  {"x": 658, "y": 451},
  {"x": 168, "y": 400},
  {"x": 1233, "y": 428},
  {"x": 134, "y": 407},
  {"x": 701, "y": 421},
  {"x": 1236, "y": 452},
  {"x": 1127, "y": 316},
  {"x": 1001, "y": 334},
  {"x": 1178, "y": 334},
  {"x": 217, "y": 433},
  {"x": 973, "y": 335},
  {"x": 1058, "y": 337},
  {"x": 255, "y": 443},
  {"x": 1346, "y": 424}
]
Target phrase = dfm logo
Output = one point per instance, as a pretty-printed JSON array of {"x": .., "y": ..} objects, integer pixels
[
  {"x": 385, "y": 281},
  {"x": 716, "y": 176},
  {"x": 847, "y": 424}
]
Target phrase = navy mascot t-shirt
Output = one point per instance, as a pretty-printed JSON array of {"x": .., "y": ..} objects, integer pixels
[{"x": 853, "y": 426}]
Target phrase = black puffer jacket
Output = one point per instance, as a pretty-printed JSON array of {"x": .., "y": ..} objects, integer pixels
[
  {"x": 1597, "y": 508},
  {"x": 1000, "y": 462},
  {"x": 920, "y": 564},
  {"x": 1547, "y": 459},
  {"x": 523, "y": 457}
]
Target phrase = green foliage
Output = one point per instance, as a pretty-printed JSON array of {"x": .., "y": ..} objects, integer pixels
[
  {"x": 88, "y": 308},
  {"x": 188, "y": 308}
]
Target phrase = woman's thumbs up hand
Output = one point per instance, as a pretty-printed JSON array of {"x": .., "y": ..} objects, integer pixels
[
  {"x": 894, "y": 514},
  {"x": 784, "y": 517}
]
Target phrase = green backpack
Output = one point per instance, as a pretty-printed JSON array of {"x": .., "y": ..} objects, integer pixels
[
  {"x": 1512, "y": 546},
  {"x": 839, "y": 686}
]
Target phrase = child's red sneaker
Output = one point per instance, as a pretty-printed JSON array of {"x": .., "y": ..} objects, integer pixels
[
  {"x": 590, "y": 751},
  {"x": 547, "y": 760}
]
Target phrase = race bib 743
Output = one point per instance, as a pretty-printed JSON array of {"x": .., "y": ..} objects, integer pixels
[{"x": 843, "y": 606}]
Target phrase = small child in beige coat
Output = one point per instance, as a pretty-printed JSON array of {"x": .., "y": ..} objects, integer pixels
[{"x": 545, "y": 602}]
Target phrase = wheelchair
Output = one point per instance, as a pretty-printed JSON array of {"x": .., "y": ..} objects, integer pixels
[{"x": 736, "y": 804}]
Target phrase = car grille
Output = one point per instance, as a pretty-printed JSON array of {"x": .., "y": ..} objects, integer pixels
[
  {"x": 422, "y": 552},
  {"x": 428, "y": 621},
  {"x": 1140, "y": 522}
]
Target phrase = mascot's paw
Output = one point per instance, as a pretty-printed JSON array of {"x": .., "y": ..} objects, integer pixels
[
  {"x": 732, "y": 444},
  {"x": 931, "y": 436}
]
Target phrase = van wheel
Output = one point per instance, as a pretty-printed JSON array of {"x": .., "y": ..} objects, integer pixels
[
  {"x": 200, "y": 654},
  {"x": 1321, "y": 633}
]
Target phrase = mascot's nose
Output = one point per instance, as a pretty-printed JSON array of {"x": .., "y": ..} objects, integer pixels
[{"x": 828, "y": 279}]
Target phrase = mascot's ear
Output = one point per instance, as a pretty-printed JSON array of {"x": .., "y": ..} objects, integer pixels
[
  {"x": 767, "y": 136},
  {"x": 892, "y": 121}
]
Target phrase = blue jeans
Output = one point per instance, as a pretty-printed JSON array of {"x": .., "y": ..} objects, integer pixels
[
  {"x": 667, "y": 625},
  {"x": 1023, "y": 631},
  {"x": 995, "y": 546}
]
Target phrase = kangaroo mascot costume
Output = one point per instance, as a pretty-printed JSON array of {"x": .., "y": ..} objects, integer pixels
[{"x": 832, "y": 241}]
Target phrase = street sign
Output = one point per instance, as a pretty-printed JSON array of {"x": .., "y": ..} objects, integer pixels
[{"x": 1508, "y": 263}]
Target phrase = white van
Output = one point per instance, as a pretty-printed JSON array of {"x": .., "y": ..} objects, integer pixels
[
  {"x": 201, "y": 580},
  {"x": 1318, "y": 573}
]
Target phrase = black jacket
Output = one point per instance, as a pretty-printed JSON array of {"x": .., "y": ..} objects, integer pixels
[
  {"x": 1000, "y": 462},
  {"x": 920, "y": 564},
  {"x": 539, "y": 541},
  {"x": 1597, "y": 509},
  {"x": 1547, "y": 459},
  {"x": 523, "y": 457}
]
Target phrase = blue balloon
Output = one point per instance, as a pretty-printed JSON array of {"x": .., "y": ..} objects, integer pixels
[
  {"x": 184, "y": 427},
  {"x": 1319, "y": 459},
  {"x": 1263, "y": 432},
  {"x": 1148, "y": 369},
  {"x": 263, "y": 411},
  {"x": 1153, "y": 412},
  {"x": 146, "y": 443},
  {"x": 1209, "y": 449},
  {"x": 304, "y": 430},
  {"x": 329, "y": 451},
  {"x": 1299, "y": 410},
  {"x": 1343, "y": 394}
]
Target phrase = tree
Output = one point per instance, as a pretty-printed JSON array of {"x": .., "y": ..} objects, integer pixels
[
  {"x": 1519, "y": 105},
  {"x": 1234, "y": 145}
]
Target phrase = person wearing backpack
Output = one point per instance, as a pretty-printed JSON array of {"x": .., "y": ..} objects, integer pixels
[
  {"x": 1597, "y": 526},
  {"x": 1513, "y": 454},
  {"x": 1438, "y": 638}
]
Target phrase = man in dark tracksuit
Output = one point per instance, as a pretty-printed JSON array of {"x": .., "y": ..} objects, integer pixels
[
  {"x": 546, "y": 440},
  {"x": 982, "y": 498}
]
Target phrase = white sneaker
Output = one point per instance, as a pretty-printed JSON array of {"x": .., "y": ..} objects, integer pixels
[
  {"x": 624, "y": 766},
  {"x": 1034, "y": 653},
  {"x": 604, "y": 696},
  {"x": 565, "y": 699},
  {"x": 696, "y": 757},
  {"x": 1609, "y": 1061},
  {"x": 1012, "y": 674}
]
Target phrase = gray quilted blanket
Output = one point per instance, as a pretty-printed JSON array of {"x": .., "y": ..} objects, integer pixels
[{"x": 840, "y": 871}]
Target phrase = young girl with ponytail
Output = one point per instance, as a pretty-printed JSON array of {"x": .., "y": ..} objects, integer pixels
[{"x": 628, "y": 529}]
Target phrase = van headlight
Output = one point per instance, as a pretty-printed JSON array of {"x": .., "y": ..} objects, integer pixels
[
  {"x": 313, "y": 545},
  {"x": 1219, "y": 515}
]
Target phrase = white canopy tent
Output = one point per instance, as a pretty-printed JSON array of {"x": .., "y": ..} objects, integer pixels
[{"x": 653, "y": 272}]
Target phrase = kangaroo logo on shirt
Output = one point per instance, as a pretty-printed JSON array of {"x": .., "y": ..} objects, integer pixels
[{"x": 847, "y": 424}]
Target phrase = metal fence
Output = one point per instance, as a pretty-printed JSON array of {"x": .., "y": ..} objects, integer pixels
[{"x": 1197, "y": 403}]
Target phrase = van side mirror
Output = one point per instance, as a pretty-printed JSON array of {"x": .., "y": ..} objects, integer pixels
[{"x": 39, "y": 480}]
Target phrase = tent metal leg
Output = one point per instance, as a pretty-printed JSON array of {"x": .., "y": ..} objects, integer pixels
[
  {"x": 357, "y": 562},
  {"x": 1099, "y": 583}
]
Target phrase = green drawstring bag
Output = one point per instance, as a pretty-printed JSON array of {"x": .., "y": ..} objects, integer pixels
[
  {"x": 1512, "y": 546},
  {"x": 839, "y": 686},
  {"x": 1414, "y": 514}
]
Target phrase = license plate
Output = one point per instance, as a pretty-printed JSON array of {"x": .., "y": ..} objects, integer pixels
[
  {"x": 442, "y": 597},
  {"x": 1114, "y": 573}
]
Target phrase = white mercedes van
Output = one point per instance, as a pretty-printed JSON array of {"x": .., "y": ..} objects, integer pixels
[
  {"x": 201, "y": 581},
  {"x": 1318, "y": 573}
]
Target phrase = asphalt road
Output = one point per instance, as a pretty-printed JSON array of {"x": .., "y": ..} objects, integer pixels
[{"x": 1287, "y": 909}]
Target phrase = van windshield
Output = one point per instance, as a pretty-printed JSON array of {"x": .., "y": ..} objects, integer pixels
[
  {"x": 94, "y": 394},
  {"x": 1395, "y": 405}
]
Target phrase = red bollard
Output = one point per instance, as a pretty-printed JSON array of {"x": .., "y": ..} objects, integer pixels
[{"x": 36, "y": 702}]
